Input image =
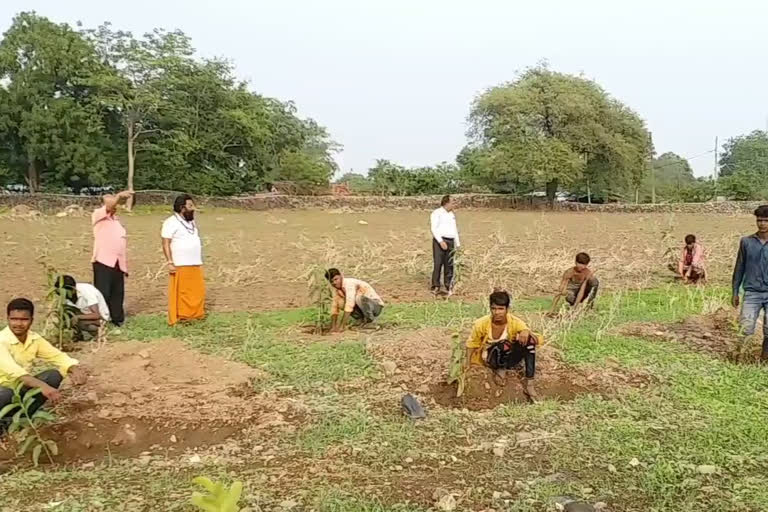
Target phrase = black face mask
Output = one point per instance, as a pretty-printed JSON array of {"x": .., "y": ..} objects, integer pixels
[{"x": 189, "y": 215}]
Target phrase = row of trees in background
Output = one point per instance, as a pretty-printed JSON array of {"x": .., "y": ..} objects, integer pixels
[
  {"x": 551, "y": 132},
  {"x": 88, "y": 108},
  {"x": 83, "y": 108}
]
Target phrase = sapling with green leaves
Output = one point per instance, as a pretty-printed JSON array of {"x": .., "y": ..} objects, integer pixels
[
  {"x": 457, "y": 372},
  {"x": 320, "y": 297},
  {"x": 218, "y": 497},
  {"x": 61, "y": 313},
  {"x": 25, "y": 425}
]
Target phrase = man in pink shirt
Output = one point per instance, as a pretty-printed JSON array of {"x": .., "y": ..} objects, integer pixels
[
  {"x": 690, "y": 267},
  {"x": 109, "y": 249}
]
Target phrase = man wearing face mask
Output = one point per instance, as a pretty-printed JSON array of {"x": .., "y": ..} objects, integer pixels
[{"x": 184, "y": 253}]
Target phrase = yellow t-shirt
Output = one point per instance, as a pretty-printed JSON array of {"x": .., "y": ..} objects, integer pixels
[
  {"x": 481, "y": 334},
  {"x": 16, "y": 358}
]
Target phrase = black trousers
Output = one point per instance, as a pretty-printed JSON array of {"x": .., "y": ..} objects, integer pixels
[
  {"x": 443, "y": 261},
  {"x": 515, "y": 356},
  {"x": 51, "y": 377},
  {"x": 110, "y": 281}
]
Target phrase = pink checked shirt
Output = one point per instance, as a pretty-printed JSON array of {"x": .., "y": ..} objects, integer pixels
[{"x": 109, "y": 242}]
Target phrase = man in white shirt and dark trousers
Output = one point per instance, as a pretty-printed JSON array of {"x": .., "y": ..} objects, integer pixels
[
  {"x": 445, "y": 241},
  {"x": 91, "y": 310}
]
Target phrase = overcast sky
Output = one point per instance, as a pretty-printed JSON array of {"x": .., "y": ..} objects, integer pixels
[{"x": 394, "y": 79}]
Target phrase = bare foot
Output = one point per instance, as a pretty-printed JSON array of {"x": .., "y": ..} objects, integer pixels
[{"x": 529, "y": 388}]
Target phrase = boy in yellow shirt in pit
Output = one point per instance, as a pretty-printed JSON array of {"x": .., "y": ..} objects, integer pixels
[{"x": 501, "y": 341}]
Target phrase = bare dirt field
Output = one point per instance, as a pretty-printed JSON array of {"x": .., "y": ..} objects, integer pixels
[{"x": 261, "y": 260}]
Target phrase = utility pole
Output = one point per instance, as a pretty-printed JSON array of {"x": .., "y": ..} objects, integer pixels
[
  {"x": 716, "y": 171},
  {"x": 653, "y": 173}
]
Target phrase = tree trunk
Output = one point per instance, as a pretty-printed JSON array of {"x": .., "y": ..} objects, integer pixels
[
  {"x": 33, "y": 176},
  {"x": 131, "y": 160},
  {"x": 589, "y": 193},
  {"x": 552, "y": 191},
  {"x": 637, "y": 195}
]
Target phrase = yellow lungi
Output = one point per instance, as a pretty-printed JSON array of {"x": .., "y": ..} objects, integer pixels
[{"x": 186, "y": 294}]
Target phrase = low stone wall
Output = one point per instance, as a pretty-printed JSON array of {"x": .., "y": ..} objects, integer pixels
[
  {"x": 56, "y": 203},
  {"x": 722, "y": 207}
]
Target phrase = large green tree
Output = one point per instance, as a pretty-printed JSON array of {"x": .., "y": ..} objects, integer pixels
[
  {"x": 671, "y": 178},
  {"x": 51, "y": 122},
  {"x": 102, "y": 107},
  {"x": 746, "y": 153},
  {"x": 550, "y": 130}
]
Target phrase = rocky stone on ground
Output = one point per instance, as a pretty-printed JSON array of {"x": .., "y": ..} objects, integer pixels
[
  {"x": 579, "y": 506},
  {"x": 24, "y": 211}
]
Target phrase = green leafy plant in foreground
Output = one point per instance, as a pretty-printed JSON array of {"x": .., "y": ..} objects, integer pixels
[
  {"x": 25, "y": 427},
  {"x": 320, "y": 297},
  {"x": 60, "y": 310},
  {"x": 456, "y": 372},
  {"x": 219, "y": 498}
]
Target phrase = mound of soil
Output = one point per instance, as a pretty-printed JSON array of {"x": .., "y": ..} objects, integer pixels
[
  {"x": 716, "y": 334},
  {"x": 419, "y": 361},
  {"x": 148, "y": 396}
]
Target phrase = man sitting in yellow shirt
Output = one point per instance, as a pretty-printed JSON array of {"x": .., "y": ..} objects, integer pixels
[
  {"x": 502, "y": 341},
  {"x": 19, "y": 347}
]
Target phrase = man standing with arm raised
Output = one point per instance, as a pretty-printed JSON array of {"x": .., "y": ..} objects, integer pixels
[
  {"x": 445, "y": 241},
  {"x": 109, "y": 255}
]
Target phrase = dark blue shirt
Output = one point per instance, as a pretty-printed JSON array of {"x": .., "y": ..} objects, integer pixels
[{"x": 751, "y": 268}]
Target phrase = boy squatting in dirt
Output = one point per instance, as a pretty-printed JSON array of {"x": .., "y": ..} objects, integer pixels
[
  {"x": 19, "y": 347},
  {"x": 354, "y": 298},
  {"x": 579, "y": 283},
  {"x": 690, "y": 266},
  {"x": 501, "y": 341},
  {"x": 751, "y": 271}
]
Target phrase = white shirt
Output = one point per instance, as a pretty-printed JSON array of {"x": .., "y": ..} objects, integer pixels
[
  {"x": 443, "y": 225},
  {"x": 186, "y": 247},
  {"x": 87, "y": 296}
]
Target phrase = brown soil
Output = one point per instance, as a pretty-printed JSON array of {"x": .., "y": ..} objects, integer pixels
[
  {"x": 260, "y": 260},
  {"x": 716, "y": 334},
  {"x": 422, "y": 358},
  {"x": 148, "y": 396},
  {"x": 482, "y": 392}
]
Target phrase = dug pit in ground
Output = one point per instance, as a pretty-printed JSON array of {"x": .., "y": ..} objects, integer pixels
[
  {"x": 418, "y": 362},
  {"x": 716, "y": 334},
  {"x": 161, "y": 395}
]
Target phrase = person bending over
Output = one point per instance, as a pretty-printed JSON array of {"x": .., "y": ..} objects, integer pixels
[
  {"x": 579, "y": 283},
  {"x": 352, "y": 297},
  {"x": 19, "y": 348},
  {"x": 501, "y": 341},
  {"x": 91, "y": 309}
]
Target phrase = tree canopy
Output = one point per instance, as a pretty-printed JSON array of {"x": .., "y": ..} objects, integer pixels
[
  {"x": 744, "y": 166},
  {"x": 547, "y": 129},
  {"x": 97, "y": 107}
]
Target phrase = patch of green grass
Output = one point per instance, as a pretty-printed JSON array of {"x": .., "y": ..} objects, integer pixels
[
  {"x": 338, "y": 501},
  {"x": 699, "y": 410},
  {"x": 375, "y": 437}
]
